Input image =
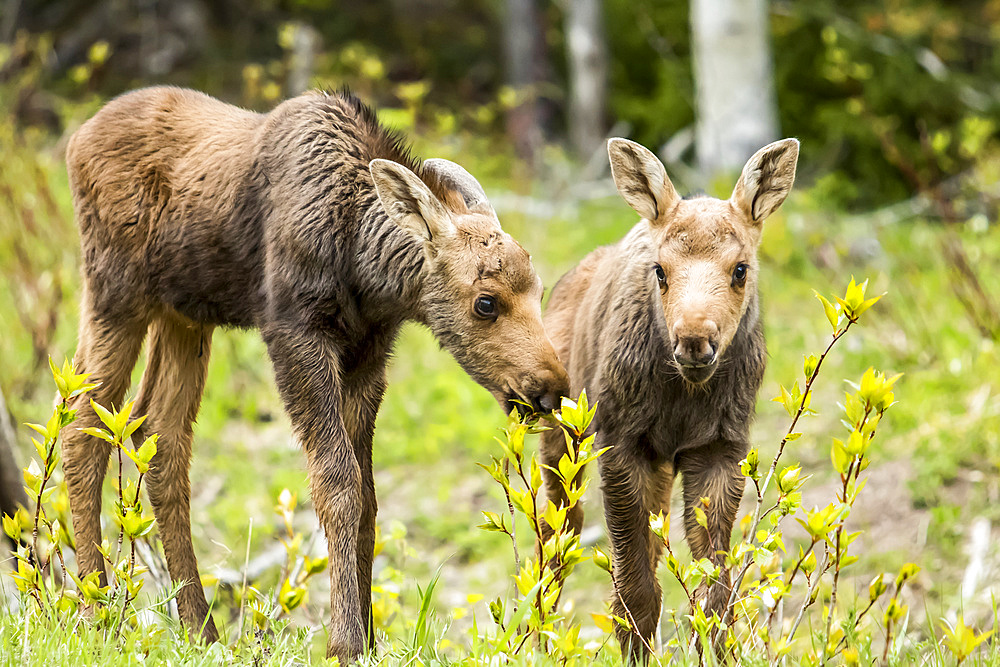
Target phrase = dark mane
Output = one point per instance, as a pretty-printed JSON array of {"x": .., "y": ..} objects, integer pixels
[{"x": 386, "y": 143}]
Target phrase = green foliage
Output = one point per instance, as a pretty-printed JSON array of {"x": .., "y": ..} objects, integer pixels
[
  {"x": 894, "y": 94},
  {"x": 891, "y": 99},
  {"x": 34, "y": 575},
  {"x": 533, "y": 620}
]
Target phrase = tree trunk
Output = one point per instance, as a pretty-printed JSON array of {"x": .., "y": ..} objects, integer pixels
[
  {"x": 588, "y": 74},
  {"x": 525, "y": 56},
  {"x": 736, "y": 108},
  {"x": 8, "y": 23},
  {"x": 11, "y": 489},
  {"x": 305, "y": 46}
]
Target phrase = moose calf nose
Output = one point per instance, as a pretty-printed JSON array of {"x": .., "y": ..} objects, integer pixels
[
  {"x": 548, "y": 402},
  {"x": 554, "y": 385},
  {"x": 695, "y": 352}
]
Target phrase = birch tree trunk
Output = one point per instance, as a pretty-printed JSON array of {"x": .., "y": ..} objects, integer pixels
[
  {"x": 524, "y": 58},
  {"x": 736, "y": 108},
  {"x": 306, "y": 44},
  {"x": 588, "y": 74}
]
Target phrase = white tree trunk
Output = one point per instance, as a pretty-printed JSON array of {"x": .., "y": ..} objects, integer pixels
[
  {"x": 523, "y": 56},
  {"x": 588, "y": 74},
  {"x": 306, "y": 44},
  {"x": 736, "y": 108}
]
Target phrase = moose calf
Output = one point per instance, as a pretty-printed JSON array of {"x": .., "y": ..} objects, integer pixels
[
  {"x": 663, "y": 329},
  {"x": 314, "y": 225}
]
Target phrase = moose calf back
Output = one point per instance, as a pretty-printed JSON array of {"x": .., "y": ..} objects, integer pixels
[{"x": 162, "y": 181}]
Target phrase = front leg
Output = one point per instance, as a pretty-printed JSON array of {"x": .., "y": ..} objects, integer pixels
[
  {"x": 712, "y": 472},
  {"x": 307, "y": 367},
  {"x": 363, "y": 391},
  {"x": 633, "y": 487}
]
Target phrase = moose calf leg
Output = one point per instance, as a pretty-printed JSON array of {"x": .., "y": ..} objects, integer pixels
[
  {"x": 362, "y": 397},
  {"x": 632, "y": 489},
  {"x": 307, "y": 372},
  {"x": 170, "y": 394},
  {"x": 336, "y": 485},
  {"x": 108, "y": 350},
  {"x": 712, "y": 472}
]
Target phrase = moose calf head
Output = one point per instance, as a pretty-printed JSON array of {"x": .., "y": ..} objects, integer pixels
[
  {"x": 481, "y": 297},
  {"x": 706, "y": 249}
]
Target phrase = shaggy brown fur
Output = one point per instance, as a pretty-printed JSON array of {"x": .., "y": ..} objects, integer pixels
[
  {"x": 313, "y": 224},
  {"x": 663, "y": 329}
]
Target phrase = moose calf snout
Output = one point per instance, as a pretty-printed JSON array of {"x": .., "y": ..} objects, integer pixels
[
  {"x": 547, "y": 391},
  {"x": 696, "y": 348},
  {"x": 546, "y": 402},
  {"x": 694, "y": 352}
]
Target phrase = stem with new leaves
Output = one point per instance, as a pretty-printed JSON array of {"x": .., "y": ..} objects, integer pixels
[
  {"x": 848, "y": 310},
  {"x": 30, "y": 561},
  {"x": 864, "y": 409},
  {"x": 540, "y": 578}
]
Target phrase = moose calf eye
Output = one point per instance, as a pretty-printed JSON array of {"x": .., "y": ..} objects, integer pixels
[
  {"x": 486, "y": 306},
  {"x": 660, "y": 275},
  {"x": 740, "y": 275}
]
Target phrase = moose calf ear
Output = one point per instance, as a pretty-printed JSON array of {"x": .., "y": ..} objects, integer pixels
[
  {"x": 409, "y": 202},
  {"x": 766, "y": 179},
  {"x": 455, "y": 177},
  {"x": 641, "y": 179}
]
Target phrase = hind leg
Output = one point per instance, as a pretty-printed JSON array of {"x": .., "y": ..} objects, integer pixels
[
  {"x": 170, "y": 393},
  {"x": 108, "y": 350}
]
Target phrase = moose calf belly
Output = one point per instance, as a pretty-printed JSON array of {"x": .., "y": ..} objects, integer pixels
[{"x": 206, "y": 274}]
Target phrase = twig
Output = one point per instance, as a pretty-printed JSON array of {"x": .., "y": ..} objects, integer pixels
[
  {"x": 121, "y": 503},
  {"x": 513, "y": 517},
  {"x": 791, "y": 577},
  {"x": 748, "y": 558},
  {"x": 538, "y": 540},
  {"x": 808, "y": 602},
  {"x": 843, "y": 640},
  {"x": 35, "y": 560},
  {"x": 246, "y": 566}
]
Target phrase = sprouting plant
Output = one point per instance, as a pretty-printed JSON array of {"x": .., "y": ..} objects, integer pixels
[
  {"x": 826, "y": 554},
  {"x": 540, "y": 577},
  {"x": 112, "y": 602},
  {"x": 961, "y": 640}
]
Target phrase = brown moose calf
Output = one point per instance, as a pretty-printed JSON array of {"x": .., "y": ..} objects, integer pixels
[
  {"x": 313, "y": 224},
  {"x": 663, "y": 329}
]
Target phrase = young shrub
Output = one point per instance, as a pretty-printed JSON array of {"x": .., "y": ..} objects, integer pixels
[
  {"x": 534, "y": 617},
  {"x": 112, "y": 603},
  {"x": 753, "y": 623}
]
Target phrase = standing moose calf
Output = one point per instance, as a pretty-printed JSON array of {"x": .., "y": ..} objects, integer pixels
[
  {"x": 314, "y": 225},
  {"x": 664, "y": 330}
]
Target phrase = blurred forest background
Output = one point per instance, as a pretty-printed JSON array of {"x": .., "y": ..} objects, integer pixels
[{"x": 896, "y": 103}]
